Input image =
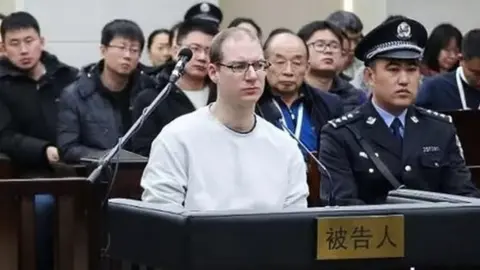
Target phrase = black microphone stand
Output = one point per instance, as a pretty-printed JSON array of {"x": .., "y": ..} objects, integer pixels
[
  {"x": 331, "y": 199},
  {"x": 106, "y": 159}
]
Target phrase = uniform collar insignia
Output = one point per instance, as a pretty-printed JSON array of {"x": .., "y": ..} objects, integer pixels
[
  {"x": 414, "y": 119},
  {"x": 371, "y": 120}
]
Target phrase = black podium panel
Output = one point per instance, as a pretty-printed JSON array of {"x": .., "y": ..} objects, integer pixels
[
  {"x": 441, "y": 234},
  {"x": 136, "y": 232}
]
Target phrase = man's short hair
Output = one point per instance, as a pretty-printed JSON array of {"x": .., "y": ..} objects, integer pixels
[
  {"x": 346, "y": 20},
  {"x": 307, "y": 31},
  {"x": 196, "y": 25},
  {"x": 239, "y": 20},
  {"x": 471, "y": 44},
  {"x": 279, "y": 31},
  {"x": 122, "y": 28},
  {"x": 216, "y": 52},
  {"x": 18, "y": 20},
  {"x": 2, "y": 16}
]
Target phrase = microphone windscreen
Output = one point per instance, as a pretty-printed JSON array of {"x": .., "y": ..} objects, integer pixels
[{"x": 185, "y": 53}]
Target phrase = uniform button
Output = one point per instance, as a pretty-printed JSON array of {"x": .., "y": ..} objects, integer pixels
[
  {"x": 370, "y": 170},
  {"x": 408, "y": 168}
]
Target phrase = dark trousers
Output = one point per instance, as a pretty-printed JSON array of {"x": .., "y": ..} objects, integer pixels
[{"x": 44, "y": 225}]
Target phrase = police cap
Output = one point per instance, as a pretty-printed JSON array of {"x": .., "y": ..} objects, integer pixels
[
  {"x": 401, "y": 38},
  {"x": 204, "y": 11}
]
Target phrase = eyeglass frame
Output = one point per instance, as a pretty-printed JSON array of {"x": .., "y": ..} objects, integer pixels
[
  {"x": 325, "y": 45},
  {"x": 196, "y": 48},
  {"x": 249, "y": 64},
  {"x": 132, "y": 50}
]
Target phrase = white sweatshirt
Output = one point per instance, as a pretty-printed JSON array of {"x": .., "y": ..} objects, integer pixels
[{"x": 199, "y": 164}]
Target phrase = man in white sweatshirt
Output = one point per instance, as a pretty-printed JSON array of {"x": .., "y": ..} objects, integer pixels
[{"x": 223, "y": 156}]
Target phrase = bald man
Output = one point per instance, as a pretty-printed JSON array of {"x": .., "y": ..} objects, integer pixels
[{"x": 304, "y": 109}]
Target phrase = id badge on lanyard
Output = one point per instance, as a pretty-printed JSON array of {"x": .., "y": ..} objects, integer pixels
[
  {"x": 298, "y": 127},
  {"x": 459, "y": 76}
]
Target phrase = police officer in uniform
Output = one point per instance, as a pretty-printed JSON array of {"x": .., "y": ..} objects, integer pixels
[{"x": 388, "y": 142}]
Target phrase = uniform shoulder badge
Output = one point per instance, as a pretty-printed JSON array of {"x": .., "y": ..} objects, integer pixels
[
  {"x": 345, "y": 119},
  {"x": 436, "y": 115}
]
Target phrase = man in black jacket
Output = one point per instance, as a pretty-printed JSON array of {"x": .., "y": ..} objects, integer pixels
[
  {"x": 31, "y": 81},
  {"x": 304, "y": 110},
  {"x": 191, "y": 92},
  {"x": 95, "y": 111}
]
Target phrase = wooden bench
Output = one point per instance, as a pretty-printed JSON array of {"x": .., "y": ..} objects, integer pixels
[{"x": 77, "y": 237}]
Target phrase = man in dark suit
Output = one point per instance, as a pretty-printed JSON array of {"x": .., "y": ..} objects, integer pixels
[
  {"x": 418, "y": 148},
  {"x": 304, "y": 110}
]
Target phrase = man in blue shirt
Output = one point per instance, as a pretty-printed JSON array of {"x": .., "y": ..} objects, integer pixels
[
  {"x": 304, "y": 110},
  {"x": 389, "y": 142}
]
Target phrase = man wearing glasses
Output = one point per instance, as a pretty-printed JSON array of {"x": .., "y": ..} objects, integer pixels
[
  {"x": 95, "y": 111},
  {"x": 324, "y": 41},
  {"x": 223, "y": 156},
  {"x": 192, "y": 91},
  {"x": 304, "y": 110}
]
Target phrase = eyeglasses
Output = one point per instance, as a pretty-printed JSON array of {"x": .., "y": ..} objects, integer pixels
[
  {"x": 321, "y": 46},
  {"x": 242, "y": 67},
  {"x": 123, "y": 48}
]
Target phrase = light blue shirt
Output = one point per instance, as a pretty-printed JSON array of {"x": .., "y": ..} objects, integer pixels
[{"x": 388, "y": 117}]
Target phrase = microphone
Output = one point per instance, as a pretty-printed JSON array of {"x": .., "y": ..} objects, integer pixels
[
  {"x": 277, "y": 115},
  {"x": 184, "y": 56}
]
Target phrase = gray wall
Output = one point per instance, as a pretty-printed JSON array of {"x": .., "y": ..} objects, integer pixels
[
  {"x": 72, "y": 28},
  {"x": 462, "y": 13},
  {"x": 293, "y": 14},
  {"x": 270, "y": 14}
]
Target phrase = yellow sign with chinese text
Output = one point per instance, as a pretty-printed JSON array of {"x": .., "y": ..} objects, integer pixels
[{"x": 360, "y": 237}]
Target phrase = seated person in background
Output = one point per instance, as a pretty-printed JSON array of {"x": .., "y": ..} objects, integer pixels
[
  {"x": 223, "y": 156},
  {"x": 31, "y": 81},
  {"x": 158, "y": 47},
  {"x": 192, "y": 91},
  {"x": 324, "y": 41},
  {"x": 352, "y": 27},
  {"x": 458, "y": 89},
  {"x": 153, "y": 70},
  {"x": 418, "y": 148},
  {"x": 159, "y": 51},
  {"x": 304, "y": 110},
  {"x": 441, "y": 50},
  {"x": 95, "y": 111}
]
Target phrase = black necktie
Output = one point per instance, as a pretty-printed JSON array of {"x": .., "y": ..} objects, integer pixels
[{"x": 395, "y": 127}]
